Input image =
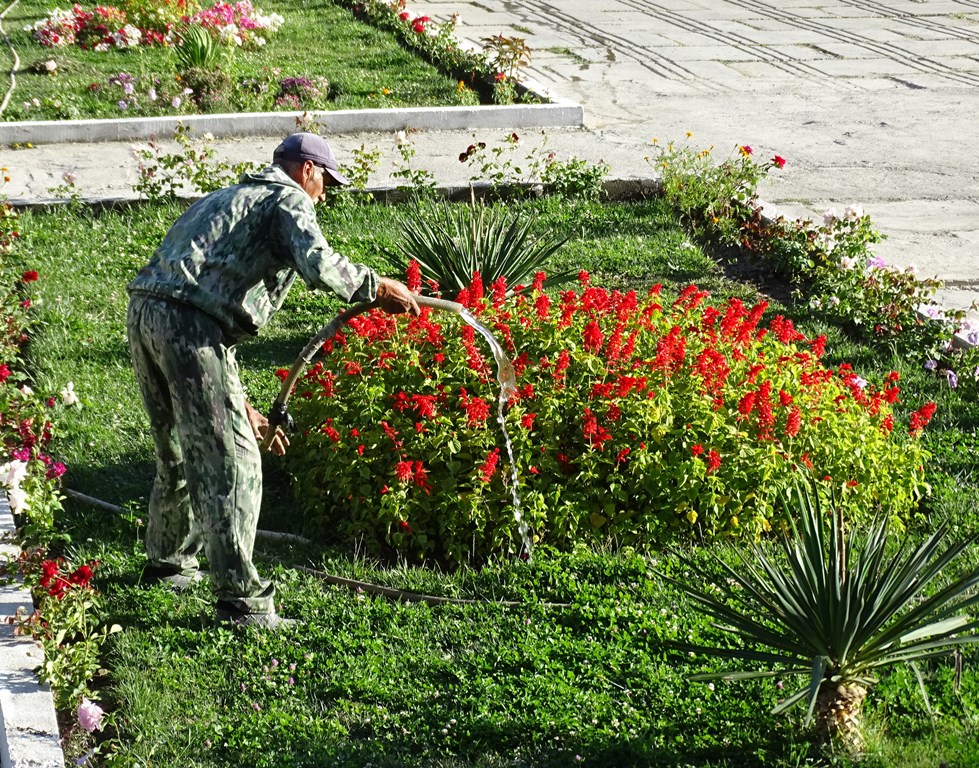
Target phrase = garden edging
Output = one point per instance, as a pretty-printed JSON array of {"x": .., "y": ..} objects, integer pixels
[
  {"x": 559, "y": 113},
  {"x": 29, "y": 736}
]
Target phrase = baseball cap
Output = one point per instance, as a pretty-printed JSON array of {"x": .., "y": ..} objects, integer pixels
[{"x": 309, "y": 146}]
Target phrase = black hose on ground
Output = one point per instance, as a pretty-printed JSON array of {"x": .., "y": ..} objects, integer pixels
[{"x": 329, "y": 578}]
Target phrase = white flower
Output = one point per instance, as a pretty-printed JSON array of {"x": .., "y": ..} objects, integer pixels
[
  {"x": 152, "y": 94},
  {"x": 860, "y": 382},
  {"x": 208, "y": 136},
  {"x": 853, "y": 212},
  {"x": 18, "y": 499},
  {"x": 401, "y": 138},
  {"x": 833, "y": 301},
  {"x": 829, "y": 217},
  {"x": 26, "y": 390},
  {"x": 51, "y": 66},
  {"x": 68, "y": 394},
  {"x": 910, "y": 269},
  {"x": 176, "y": 102},
  {"x": 14, "y": 473},
  {"x": 847, "y": 262}
]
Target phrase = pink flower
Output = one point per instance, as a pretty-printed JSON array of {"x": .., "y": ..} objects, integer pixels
[
  {"x": 745, "y": 150},
  {"x": 90, "y": 715}
]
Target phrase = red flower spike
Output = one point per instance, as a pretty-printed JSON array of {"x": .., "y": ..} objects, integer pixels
[{"x": 414, "y": 276}]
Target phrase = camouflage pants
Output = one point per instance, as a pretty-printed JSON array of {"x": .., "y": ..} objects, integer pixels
[{"x": 208, "y": 487}]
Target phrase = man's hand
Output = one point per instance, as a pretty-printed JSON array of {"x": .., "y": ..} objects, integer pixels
[
  {"x": 395, "y": 298},
  {"x": 260, "y": 425}
]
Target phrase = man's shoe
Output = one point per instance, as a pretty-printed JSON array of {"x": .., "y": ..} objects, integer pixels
[
  {"x": 177, "y": 581},
  {"x": 236, "y": 618}
]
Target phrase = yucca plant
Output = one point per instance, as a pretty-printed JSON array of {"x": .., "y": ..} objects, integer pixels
[
  {"x": 836, "y": 609},
  {"x": 198, "y": 50},
  {"x": 451, "y": 241}
]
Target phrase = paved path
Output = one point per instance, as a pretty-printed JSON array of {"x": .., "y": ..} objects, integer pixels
[{"x": 874, "y": 102}]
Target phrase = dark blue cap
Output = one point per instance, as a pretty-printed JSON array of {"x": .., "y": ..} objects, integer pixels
[{"x": 309, "y": 146}]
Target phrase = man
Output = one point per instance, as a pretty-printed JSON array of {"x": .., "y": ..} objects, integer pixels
[{"x": 222, "y": 270}]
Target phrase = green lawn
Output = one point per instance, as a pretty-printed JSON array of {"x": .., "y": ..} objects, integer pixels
[
  {"x": 364, "y": 67},
  {"x": 367, "y": 681}
]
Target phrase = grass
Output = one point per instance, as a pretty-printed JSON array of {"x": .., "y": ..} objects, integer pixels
[
  {"x": 365, "y": 68},
  {"x": 377, "y": 682}
]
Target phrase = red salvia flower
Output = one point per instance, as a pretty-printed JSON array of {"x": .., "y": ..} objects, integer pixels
[
  {"x": 794, "y": 422},
  {"x": 404, "y": 471},
  {"x": 713, "y": 461},
  {"x": 477, "y": 410},
  {"x": 499, "y": 292},
  {"x": 920, "y": 418},
  {"x": 542, "y": 305},
  {"x": 697, "y": 449},
  {"x": 593, "y": 337},
  {"x": 414, "y": 276},
  {"x": 488, "y": 468}
]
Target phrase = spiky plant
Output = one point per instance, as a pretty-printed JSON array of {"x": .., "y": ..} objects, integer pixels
[
  {"x": 198, "y": 50},
  {"x": 837, "y": 608},
  {"x": 451, "y": 241}
]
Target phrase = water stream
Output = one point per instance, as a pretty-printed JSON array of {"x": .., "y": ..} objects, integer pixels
[{"x": 508, "y": 387}]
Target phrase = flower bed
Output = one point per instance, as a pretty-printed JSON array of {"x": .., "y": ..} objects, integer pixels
[
  {"x": 635, "y": 420},
  {"x": 138, "y": 57}
]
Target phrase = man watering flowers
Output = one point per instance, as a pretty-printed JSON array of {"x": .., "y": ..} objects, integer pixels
[{"x": 220, "y": 273}]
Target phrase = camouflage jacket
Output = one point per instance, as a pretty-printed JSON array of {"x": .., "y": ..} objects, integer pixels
[{"x": 235, "y": 253}]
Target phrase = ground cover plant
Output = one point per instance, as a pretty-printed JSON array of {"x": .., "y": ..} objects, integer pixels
[
  {"x": 283, "y": 55},
  {"x": 366, "y": 680}
]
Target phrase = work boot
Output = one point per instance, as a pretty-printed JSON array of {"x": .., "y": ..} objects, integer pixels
[
  {"x": 178, "y": 581},
  {"x": 237, "y": 618}
]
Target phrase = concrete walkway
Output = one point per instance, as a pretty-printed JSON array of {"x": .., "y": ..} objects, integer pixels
[{"x": 872, "y": 102}]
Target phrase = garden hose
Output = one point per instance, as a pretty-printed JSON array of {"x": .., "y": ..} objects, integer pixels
[
  {"x": 16, "y": 58},
  {"x": 279, "y": 414},
  {"x": 329, "y": 578}
]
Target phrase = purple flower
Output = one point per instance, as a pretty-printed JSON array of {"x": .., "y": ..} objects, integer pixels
[
  {"x": 931, "y": 365},
  {"x": 953, "y": 380},
  {"x": 123, "y": 104},
  {"x": 876, "y": 262}
]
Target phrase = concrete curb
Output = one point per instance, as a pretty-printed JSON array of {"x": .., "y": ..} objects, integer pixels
[
  {"x": 559, "y": 113},
  {"x": 29, "y": 736}
]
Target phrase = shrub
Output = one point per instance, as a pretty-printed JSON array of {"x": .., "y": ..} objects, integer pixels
[
  {"x": 632, "y": 422},
  {"x": 833, "y": 261}
]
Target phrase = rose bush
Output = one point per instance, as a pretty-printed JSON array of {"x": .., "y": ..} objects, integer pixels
[{"x": 635, "y": 420}]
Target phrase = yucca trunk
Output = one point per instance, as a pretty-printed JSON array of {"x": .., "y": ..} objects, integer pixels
[{"x": 838, "y": 715}]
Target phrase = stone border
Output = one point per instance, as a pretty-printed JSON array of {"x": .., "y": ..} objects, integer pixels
[
  {"x": 557, "y": 114},
  {"x": 29, "y": 736}
]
